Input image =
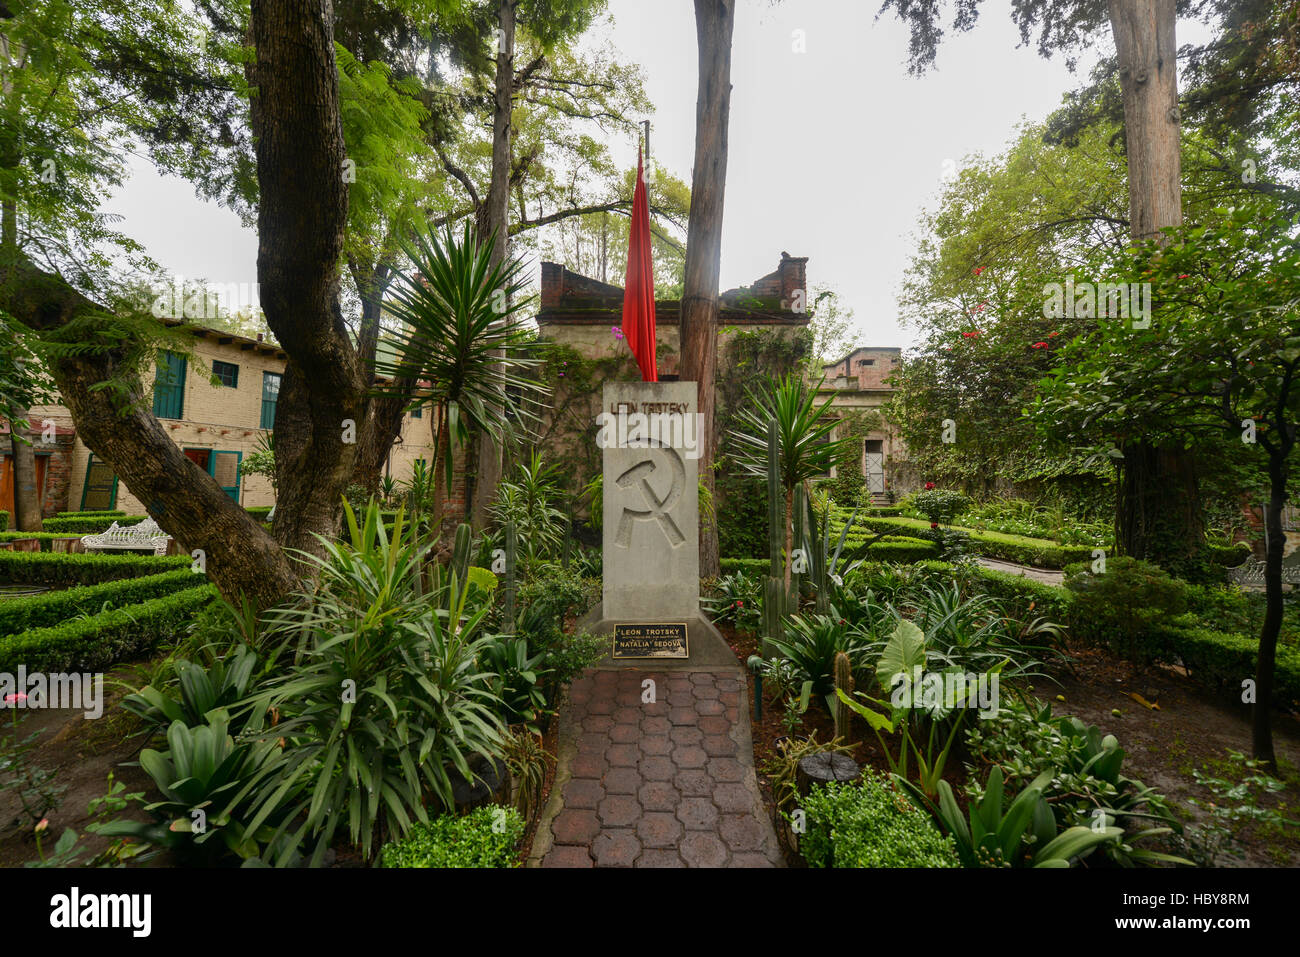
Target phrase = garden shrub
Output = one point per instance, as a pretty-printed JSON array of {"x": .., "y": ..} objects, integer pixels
[
  {"x": 1223, "y": 660},
  {"x": 871, "y": 824},
  {"x": 89, "y": 525},
  {"x": 43, "y": 568},
  {"x": 1016, "y": 592},
  {"x": 44, "y": 611},
  {"x": 1119, "y": 607},
  {"x": 92, "y": 644},
  {"x": 486, "y": 837},
  {"x": 4, "y": 520},
  {"x": 940, "y": 505},
  {"x": 1038, "y": 552},
  {"x": 92, "y": 513},
  {"x": 742, "y": 517},
  {"x": 43, "y": 538}
]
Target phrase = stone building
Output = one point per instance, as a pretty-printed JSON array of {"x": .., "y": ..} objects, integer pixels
[{"x": 583, "y": 314}]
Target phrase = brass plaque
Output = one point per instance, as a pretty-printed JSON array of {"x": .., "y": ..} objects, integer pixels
[{"x": 651, "y": 640}]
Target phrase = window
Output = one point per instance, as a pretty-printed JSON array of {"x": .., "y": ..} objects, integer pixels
[
  {"x": 227, "y": 372},
  {"x": 866, "y": 362},
  {"x": 99, "y": 493},
  {"x": 418, "y": 412},
  {"x": 270, "y": 395},
  {"x": 169, "y": 386}
]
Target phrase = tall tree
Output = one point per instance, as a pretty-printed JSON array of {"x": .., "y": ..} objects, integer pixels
[
  {"x": 1150, "y": 523},
  {"x": 714, "y": 24},
  {"x": 100, "y": 348}
]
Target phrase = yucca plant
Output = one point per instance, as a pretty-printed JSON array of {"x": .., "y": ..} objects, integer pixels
[
  {"x": 528, "y": 498},
  {"x": 804, "y": 445},
  {"x": 463, "y": 332}
]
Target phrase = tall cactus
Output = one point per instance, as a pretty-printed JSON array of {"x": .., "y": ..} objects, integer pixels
[
  {"x": 460, "y": 554},
  {"x": 774, "y": 594},
  {"x": 508, "y": 607},
  {"x": 843, "y": 682}
]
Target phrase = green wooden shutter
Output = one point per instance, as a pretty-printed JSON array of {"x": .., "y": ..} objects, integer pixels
[
  {"x": 169, "y": 387},
  {"x": 270, "y": 394}
]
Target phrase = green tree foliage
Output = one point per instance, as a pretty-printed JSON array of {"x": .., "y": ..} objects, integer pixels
[{"x": 1220, "y": 359}]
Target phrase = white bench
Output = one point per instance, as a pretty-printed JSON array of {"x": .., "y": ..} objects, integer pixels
[{"x": 144, "y": 536}]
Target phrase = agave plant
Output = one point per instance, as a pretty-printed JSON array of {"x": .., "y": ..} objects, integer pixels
[
  {"x": 1022, "y": 835},
  {"x": 462, "y": 331}
]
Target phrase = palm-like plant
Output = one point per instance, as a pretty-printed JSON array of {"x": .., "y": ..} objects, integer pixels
[
  {"x": 805, "y": 446},
  {"x": 463, "y": 335},
  {"x": 529, "y": 499}
]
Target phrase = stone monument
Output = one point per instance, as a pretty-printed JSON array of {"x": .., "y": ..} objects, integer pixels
[{"x": 651, "y": 438}]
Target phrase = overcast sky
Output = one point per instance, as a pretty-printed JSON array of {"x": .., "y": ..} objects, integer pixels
[{"x": 834, "y": 151}]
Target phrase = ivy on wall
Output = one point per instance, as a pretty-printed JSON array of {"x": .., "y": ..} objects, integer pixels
[{"x": 849, "y": 487}]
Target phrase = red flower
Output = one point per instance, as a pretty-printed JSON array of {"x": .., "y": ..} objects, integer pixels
[
  {"x": 934, "y": 524},
  {"x": 1039, "y": 345},
  {"x": 739, "y": 603},
  {"x": 1184, "y": 276},
  {"x": 980, "y": 269},
  {"x": 1052, "y": 335},
  {"x": 929, "y": 485},
  {"x": 970, "y": 335}
]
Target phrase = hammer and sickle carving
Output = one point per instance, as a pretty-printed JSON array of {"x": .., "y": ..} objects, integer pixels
[{"x": 659, "y": 508}]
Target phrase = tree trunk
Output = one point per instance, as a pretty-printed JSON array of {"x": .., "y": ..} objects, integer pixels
[
  {"x": 302, "y": 214},
  {"x": 698, "y": 330},
  {"x": 384, "y": 412},
  {"x": 1151, "y": 522},
  {"x": 27, "y": 497},
  {"x": 1262, "y": 723},
  {"x": 1159, "y": 508},
  {"x": 495, "y": 216}
]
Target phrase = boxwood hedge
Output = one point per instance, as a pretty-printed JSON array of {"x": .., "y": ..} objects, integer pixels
[
  {"x": 871, "y": 824},
  {"x": 43, "y": 611},
  {"x": 95, "y": 643},
  {"x": 44, "y": 568}
]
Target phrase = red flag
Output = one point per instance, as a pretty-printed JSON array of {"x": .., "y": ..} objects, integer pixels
[{"x": 639, "y": 293}]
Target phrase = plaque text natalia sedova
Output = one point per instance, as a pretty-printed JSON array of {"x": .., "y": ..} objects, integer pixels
[{"x": 651, "y": 640}]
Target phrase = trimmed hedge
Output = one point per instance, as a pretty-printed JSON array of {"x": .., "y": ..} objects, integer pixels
[
  {"x": 44, "y": 568},
  {"x": 1223, "y": 659},
  {"x": 91, "y": 525},
  {"x": 45, "y": 611},
  {"x": 1039, "y": 552},
  {"x": 93, "y": 644},
  {"x": 260, "y": 512},
  {"x": 110, "y": 512},
  {"x": 1230, "y": 556},
  {"x": 899, "y": 549},
  {"x": 43, "y": 537},
  {"x": 4, "y": 520}
]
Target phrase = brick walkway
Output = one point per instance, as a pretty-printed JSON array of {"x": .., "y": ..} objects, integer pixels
[{"x": 663, "y": 784}]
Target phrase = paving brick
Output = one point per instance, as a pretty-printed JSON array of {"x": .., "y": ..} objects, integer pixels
[
  {"x": 714, "y": 724},
  {"x": 627, "y": 715},
  {"x": 697, "y": 814},
  {"x": 718, "y": 746},
  {"x": 704, "y": 692},
  {"x": 709, "y": 707},
  {"x": 572, "y": 826},
  {"x": 733, "y": 798},
  {"x": 623, "y": 755},
  {"x": 686, "y": 735},
  {"x": 694, "y": 783},
  {"x": 702, "y": 849},
  {"x": 625, "y": 733},
  {"x": 653, "y": 744},
  {"x": 593, "y": 742},
  {"x": 601, "y": 706},
  {"x": 622, "y": 780},
  {"x": 659, "y": 829},
  {"x": 619, "y": 810},
  {"x": 658, "y": 857},
  {"x": 657, "y": 768},
  {"x": 588, "y": 765},
  {"x": 616, "y": 848},
  {"x": 683, "y": 716},
  {"x": 702, "y": 678},
  {"x": 728, "y": 684},
  {"x": 658, "y": 796},
  {"x": 656, "y": 724},
  {"x": 598, "y": 723},
  {"x": 725, "y": 770},
  {"x": 583, "y": 793},
  {"x": 567, "y": 856},
  {"x": 730, "y": 698},
  {"x": 751, "y": 860},
  {"x": 742, "y": 832},
  {"x": 689, "y": 756}
]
